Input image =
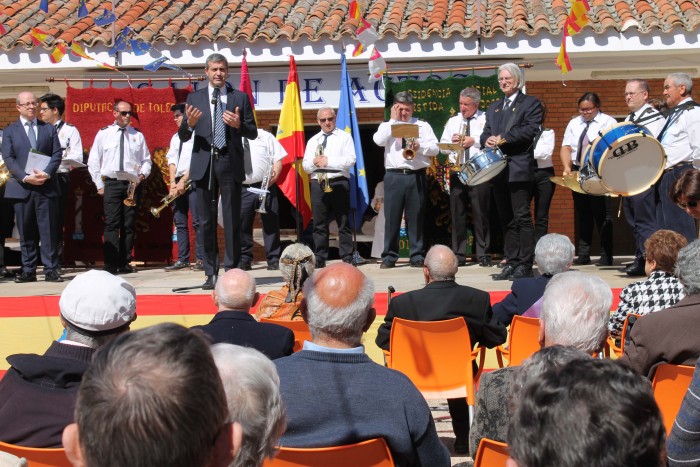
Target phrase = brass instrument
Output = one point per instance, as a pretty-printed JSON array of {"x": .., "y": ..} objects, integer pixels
[
  {"x": 408, "y": 131},
  {"x": 168, "y": 200},
  {"x": 322, "y": 177},
  {"x": 265, "y": 189},
  {"x": 130, "y": 194},
  {"x": 4, "y": 174}
]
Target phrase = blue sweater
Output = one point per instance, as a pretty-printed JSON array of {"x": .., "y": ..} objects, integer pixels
[{"x": 335, "y": 399}]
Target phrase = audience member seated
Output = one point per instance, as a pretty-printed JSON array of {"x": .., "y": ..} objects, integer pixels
[
  {"x": 442, "y": 298},
  {"x": 661, "y": 289},
  {"x": 686, "y": 192},
  {"x": 670, "y": 335},
  {"x": 254, "y": 401},
  {"x": 234, "y": 295},
  {"x": 575, "y": 311},
  {"x": 296, "y": 264},
  {"x": 152, "y": 397},
  {"x": 335, "y": 394},
  {"x": 683, "y": 446},
  {"x": 588, "y": 413},
  {"x": 553, "y": 254},
  {"x": 37, "y": 394}
]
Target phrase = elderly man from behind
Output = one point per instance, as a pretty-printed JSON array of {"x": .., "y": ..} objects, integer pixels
[
  {"x": 335, "y": 394},
  {"x": 554, "y": 253},
  {"x": 670, "y": 335},
  {"x": 252, "y": 389},
  {"x": 575, "y": 310},
  {"x": 442, "y": 298},
  {"x": 37, "y": 395},
  {"x": 152, "y": 397},
  {"x": 234, "y": 296}
]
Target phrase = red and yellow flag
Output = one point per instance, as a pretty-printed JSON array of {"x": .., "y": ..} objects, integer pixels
[
  {"x": 562, "y": 60},
  {"x": 354, "y": 10},
  {"x": 58, "y": 53},
  {"x": 578, "y": 16},
  {"x": 245, "y": 85},
  {"x": 293, "y": 181},
  {"x": 77, "y": 50},
  {"x": 38, "y": 36}
]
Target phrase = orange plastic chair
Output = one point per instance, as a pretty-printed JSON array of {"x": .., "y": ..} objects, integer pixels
[
  {"x": 37, "y": 457},
  {"x": 437, "y": 357},
  {"x": 491, "y": 453},
  {"x": 523, "y": 341},
  {"x": 370, "y": 453},
  {"x": 670, "y": 384},
  {"x": 619, "y": 350},
  {"x": 300, "y": 329}
]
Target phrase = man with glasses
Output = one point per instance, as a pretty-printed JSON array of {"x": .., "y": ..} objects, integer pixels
[
  {"x": 32, "y": 153},
  {"x": 329, "y": 155},
  {"x": 119, "y": 158},
  {"x": 51, "y": 108}
]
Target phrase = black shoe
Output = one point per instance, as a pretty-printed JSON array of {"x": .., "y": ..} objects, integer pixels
[
  {"x": 244, "y": 266},
  {"x": 273, "y": 266},
  {"x": 461, "y": 262},
  {"x": 417, "y": 263},
  {"x": 636, "y": 269},
  {"x": 126, "y": 269},
  {"x": 358, "y": 260},
  {"x": 6, "y": 273},
  {"x": 320, "y": 263},
  {"x": 198, "y": 265},
  {"x": 25, "y": 277},
  {"x": 347, "y": 259},
  {"x": 386, "y": 264},
  {"x": 502, "y": 264},
  {"x": 522, "y": 271},
  {"x": 209, "y": 283},
  {"x": 53, "y": 276},
  {"x": 604, "y": 261},
  {"x": 485, "y": 262},
  {"x": 505, "y": 274},
  {"x": 582, "y": 260},
  {"x": 461, "y": 446},
  {"x": 177, "y": 265}
]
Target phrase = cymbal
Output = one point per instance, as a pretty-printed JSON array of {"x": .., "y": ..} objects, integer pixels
[{"x": 570, "y": 181}]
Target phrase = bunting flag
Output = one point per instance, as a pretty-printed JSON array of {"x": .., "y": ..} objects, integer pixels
[
  {"x": 354, "y": 10},
  {"x": 106, "y": 18},
  {"x": 562, "y": 60},
  {"x": 245, "y": 85},
  {"x": 358, "y": 49},
  {"x": 44, "y": 6},
  {"x": 160, "y": 63},
  {"x": 347, "y": 121},
  {"x": 107, "y": 66},
  {"x": 366, "y": 33},
  {"x": 293, "y": 181},
  {"x": 578, "y": 16},
  {"x": 58, "y": 53},
  {"x": 120, "y": 42},
  {"x": 77, "y": 50},
  {"x": 3, "y": 30},
  {"x": 38, "y": 36},
  {"x": 139, "y": 47},
  {"x": 82, "y": 9},
  {"x": 377, "y": 66}
]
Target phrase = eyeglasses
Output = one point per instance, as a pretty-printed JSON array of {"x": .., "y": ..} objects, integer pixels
[
  {"x": 44, "y": 109},
  {"x": 126, "y": 113},
  {"x": 507, "y": 80},
  {"x": 29, "y": 104},
  {"x": 689, "y": 204},
  {"x": 176, "y": 116},
  {"x": 324, "y": 120},
  {"x": 630, "y": 94},
  {"x": 587, "y": 109}
]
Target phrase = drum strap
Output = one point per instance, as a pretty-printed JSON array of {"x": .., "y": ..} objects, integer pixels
[
  {"x": 644, "y": 118},
  {"x": 674, "y": 114}
]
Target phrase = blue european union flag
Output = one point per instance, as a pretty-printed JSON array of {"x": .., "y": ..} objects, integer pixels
[
  {"x": 347, "y": 121},
  {"x": 44, "y": 6},
  {"x": 82, "y": 9},
  {"x": 120, "y": 42},
  {"x": 107, "y": 17}
]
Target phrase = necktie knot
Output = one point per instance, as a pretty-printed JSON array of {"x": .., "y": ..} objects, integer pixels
[
  {"x": 325, "y": 139},
  {"x": 631, "y": 117}
]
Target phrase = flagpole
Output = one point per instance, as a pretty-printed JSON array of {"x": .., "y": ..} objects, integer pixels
[{"x": 297, "y": 183}]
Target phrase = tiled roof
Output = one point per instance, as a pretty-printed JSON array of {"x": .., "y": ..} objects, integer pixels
[{"x": 168, "y": 21}]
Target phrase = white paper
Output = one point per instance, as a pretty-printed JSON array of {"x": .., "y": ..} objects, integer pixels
[
  {"x": 73, "y": 163},
  {"x": 36, "y": 160},
  {"x": 129, "y": 177}
]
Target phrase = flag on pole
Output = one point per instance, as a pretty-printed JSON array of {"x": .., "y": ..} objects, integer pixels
[
  {"x": 77, "y": 50},
  {"x": 58, "y": 53},
  {"x": 377, "y": 66},
  {"x": 578, "y": 16},
  {"x": 347, "y": 121},
  {"x": 245, "y": 85},
  {"x": 293, "y": 181},
  {"x": 354, "y": 10},
  {"x": 562, "y": 60},
  {"x": 38, "y": 36}
]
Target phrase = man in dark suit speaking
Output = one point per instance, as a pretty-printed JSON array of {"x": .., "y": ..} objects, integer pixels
[
  {"x": 442, "y": 298},
  {"x": 34, "y": 189},
  {"x": 511, "y": 125},
  {"x": 218, "y": 120}
]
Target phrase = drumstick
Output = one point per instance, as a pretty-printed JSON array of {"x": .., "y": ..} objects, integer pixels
[{"x": 619, "y": 209}]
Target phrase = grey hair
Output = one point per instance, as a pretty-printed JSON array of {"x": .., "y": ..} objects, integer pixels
[
  {"x": 642, "y": 83},
  {"x": 215, "y": 58},
  {"x": 575, "y": 310},
  {"x": 318, "y": 114},
  {"x": 252, "y": 389},
  {"x": 554, "y": 253},
  {"x": 344, "y": 324},
  {"x": 515, "y": 72},
  {"x": 94, "y": 342},
  {"x": 682, "y": 79},
  {"x": 232, "y": 296},
  {"x": 441, "y": 263},
  {"x": 688, "y": 267},
  {"x": 471, "y": 93},
  {"x": 403, "y": 97}
]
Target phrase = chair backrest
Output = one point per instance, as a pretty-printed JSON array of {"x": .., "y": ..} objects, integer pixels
[
  {"x": 435, "y": 355},
  {"x": 670, "y": 384},
  {"x": 300, "y": 329},
  {"x": 37, "y": 457},
  {"x": 370, "y": 453},
  {"x": 523, "y": 340},
  {"x": 491, "y": 453}
]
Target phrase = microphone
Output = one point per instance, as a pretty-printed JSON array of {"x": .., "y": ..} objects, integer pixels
[{"x": 215, "y": 95}]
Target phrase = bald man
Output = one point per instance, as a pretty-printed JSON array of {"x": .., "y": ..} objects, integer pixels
[
  {"x": 335, "y": 394},
  {"x": 234, "y": 296}
]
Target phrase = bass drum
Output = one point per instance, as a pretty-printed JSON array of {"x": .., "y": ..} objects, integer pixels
[{"x": 483, "y": 166}]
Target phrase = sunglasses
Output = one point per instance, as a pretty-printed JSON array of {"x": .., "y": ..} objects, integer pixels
[
  {"x": 126, "y": 113},
  {"x": 324, "y": 120},
  {"x": 689, "y": 204}
]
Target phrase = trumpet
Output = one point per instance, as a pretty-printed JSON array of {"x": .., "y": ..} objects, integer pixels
[
  {"x": 4, "y": 174},
  {"x": 409, "y": 132},
  {"x": 408, "y": 153},
  {"x": 265, "y": 187},
  {"x": 322, "y": 177},
  {"x": 130, "y": 194},
  {"x": 168, "y": 200},
  {"x": 460, "y": 158}
]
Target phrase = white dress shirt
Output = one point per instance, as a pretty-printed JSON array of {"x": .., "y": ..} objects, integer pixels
[
  {"x": 393, "y": 150},
  {"x": 454, "y": 125},
  {"x": 72, "y": 145},
  {"x": 681, "y": 141},
  {"x": 544, "y": 149},
  {"x": 180, "y": 159},
  {"x": 340, "y": 150},
  {"x": 265, "y": 150},
  {"x": 653, "y": 120},
  {"x": 104, "y": 154},
  {"x": 573, "y": 131}
]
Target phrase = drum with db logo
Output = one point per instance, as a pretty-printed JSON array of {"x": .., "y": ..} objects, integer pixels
[
  {"x": 483, "y": 166},
  {"x": 587, "y": 178},
  {"x": 627, "y": 159}
]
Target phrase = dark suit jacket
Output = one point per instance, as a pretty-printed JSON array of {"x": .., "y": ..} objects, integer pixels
[
  {"x": 201, "y": 149},
  {"x": 240, "y": 328},
  {"x": 523, "y": 294},
  {"x": 443, "y": 300},
  {"x": 15, "y": 147},
  {"x": 518, "y": 146},
  {"x": 666, "y": 336}
]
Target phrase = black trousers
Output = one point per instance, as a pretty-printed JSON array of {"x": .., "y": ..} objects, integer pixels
[
  {"x": 668, "y": 215},
  {"x": 479, "y": 198},
  {"x": 36, "y": 218},
  {"x": 336, "y": 204},
  {"x": 6, "y": 215},
  {"x": 640, "y": 212},
  {"x": 593, "y": 210},
  {"x": 120, "y": 223},
  {"x": 404, "y": 192},
  {"x": 182, "y": 206},
  {"x": 270, "y": 223},
  {"x": 513, "y": 206},
  {"x": 64, "y": 186},
  {"x": 543, "y": 192}
]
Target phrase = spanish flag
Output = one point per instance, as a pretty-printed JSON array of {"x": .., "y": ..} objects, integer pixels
[
  {"x": 245, "y": 85},
  {"x": 77, "y": 50},
  {"x": 354, "y": 10},
  {"x": 58, "y": 53},
  {"x": 293, "y": 181},
  {"x": 562, "y": 60},
  {"x": 38, "y": 36},
  {"x": 578, "y": 16}
]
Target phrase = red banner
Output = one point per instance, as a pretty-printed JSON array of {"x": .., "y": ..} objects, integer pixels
[{"x": 90, "y": 109}]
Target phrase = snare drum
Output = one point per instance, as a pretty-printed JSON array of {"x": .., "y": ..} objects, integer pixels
[
  {"x": 590, "y": 183},
  {"x": 484, "y": 166},
  {"x": 627, "y": 159}
]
